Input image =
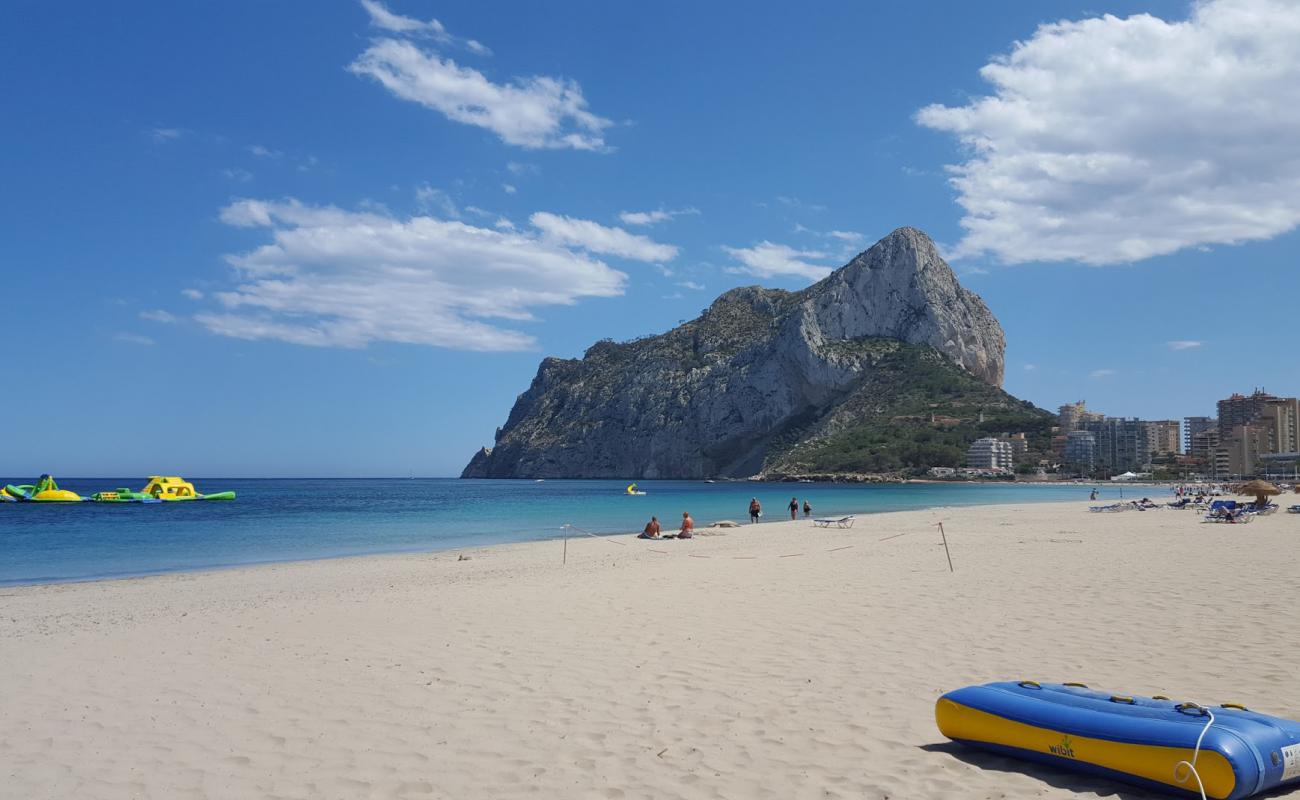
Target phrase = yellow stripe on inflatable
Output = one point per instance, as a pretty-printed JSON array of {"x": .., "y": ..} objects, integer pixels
[{"x": 1152, "y": 762}]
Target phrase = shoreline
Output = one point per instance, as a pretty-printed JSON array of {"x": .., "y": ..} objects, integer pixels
[{"x": 454, "y": 548}]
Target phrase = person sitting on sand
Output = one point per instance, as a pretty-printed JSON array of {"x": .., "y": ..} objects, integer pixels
[
  {"x": 688, "y": 526},
  {"x": 651, "y": 529},
  {"x": 755, "y": 510},
  {"x": 807, "y": 509}
]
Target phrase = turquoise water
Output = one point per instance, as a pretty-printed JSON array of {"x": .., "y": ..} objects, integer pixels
[{"x": 286, "y": 520}]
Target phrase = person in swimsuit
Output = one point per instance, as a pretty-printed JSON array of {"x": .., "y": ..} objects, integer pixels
[
  {"x": 755, "y": 510},
  {"x": 651, "y": 529},
  {"x": 794, "y": 508},
  {"x": 688, "y": 526},
  {"x": 807, "y": 509}
]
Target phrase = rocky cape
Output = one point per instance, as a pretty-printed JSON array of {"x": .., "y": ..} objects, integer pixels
[{"x": 771, "y": 381}]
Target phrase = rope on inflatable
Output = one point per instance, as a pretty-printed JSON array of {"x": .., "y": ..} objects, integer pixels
[{"x": 1181, "y": 775}]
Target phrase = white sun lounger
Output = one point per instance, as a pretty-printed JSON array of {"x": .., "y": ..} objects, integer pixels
[{"x": 838, "y": 522}]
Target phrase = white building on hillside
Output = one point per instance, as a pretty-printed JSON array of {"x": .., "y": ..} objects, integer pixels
[{"x": 990, "y": 453}]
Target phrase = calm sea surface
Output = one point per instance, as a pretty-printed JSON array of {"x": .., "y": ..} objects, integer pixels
[{"x": 285, "y": 520}]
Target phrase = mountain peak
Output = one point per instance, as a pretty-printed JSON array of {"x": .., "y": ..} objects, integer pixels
[{"x": 715, "y": 395}]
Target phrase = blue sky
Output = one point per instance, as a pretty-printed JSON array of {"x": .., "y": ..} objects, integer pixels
[{"x": 336, "y": 239}]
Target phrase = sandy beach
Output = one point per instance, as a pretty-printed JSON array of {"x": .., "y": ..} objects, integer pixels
[{"x": 776, "y": 660}]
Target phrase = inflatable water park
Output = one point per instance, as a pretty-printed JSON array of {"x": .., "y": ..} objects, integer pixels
[
  {"x": 1182, "y": 748},
  {"x": 159, "y": 489}
]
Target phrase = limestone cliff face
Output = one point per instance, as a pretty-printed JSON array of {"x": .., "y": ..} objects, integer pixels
[{"x": 722, "y": 394}]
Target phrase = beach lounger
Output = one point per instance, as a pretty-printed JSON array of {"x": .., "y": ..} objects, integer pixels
[
  {"x": 1294, "y": 510},
  {"x": 838, "y": 522}
]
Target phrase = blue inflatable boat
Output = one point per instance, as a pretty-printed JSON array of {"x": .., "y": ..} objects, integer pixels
[{"x": 1153, "y": 742}]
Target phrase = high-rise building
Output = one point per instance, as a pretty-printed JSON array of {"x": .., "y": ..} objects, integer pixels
[
  {"x": 1241, "y": 409},
  {"x": 1071, "y": 416},
  {"x": 1122, "y": 444},
  {"x": 1193, "y": 426},
  {"x": 990, "y": 453},
  {"x": 1254, "y": 426},
  {"x": 1203, "y": 444},
  {"x": 1080, "y": 451},
  {"x": 1165, "y": 437}
]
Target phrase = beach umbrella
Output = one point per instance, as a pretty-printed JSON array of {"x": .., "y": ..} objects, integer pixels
[{"x": 1261, "y": 490}]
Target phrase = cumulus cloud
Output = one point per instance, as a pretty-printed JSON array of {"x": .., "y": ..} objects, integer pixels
[
  {"x": 1183, "y": 344},
  {"x": 653, "y": 217},
  {"x": 770, "y": 260},
  {"x": 158, "y": 315},
  {"x": 536, "y": 112},
  {"x": 384, "y": 19},
  {"x": 331, "y": 277},
  {"x": 597, "y": 238},
  {"x": 1112, "y": 139}
]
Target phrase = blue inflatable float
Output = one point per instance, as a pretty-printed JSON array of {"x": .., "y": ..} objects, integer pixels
[{"x": 1152, "y": 742}]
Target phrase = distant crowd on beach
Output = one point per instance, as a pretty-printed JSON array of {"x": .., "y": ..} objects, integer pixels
[{"x": 653, "y": 530}]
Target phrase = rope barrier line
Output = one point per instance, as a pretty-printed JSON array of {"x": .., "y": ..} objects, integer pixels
[
  {"x": 837, "y": 549},
  {"x": 895, "y": 536}
]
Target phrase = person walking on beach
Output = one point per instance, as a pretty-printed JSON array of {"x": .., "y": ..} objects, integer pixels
[
  {"x": 1093, "y": 496},
  {"x": 807, "y": 509},
  {"x": 688, "y": 526},
  {"x": 651, "y": 529},
  {"x": 794, "y": 509},
  {"x": 755, "y": 510}
]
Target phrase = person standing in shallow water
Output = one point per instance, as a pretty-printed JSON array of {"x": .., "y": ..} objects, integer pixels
[
  {"x": 794, "y": 508},
  {"x": 755, "y": 510},
  {"x": 807, "y": 509}
]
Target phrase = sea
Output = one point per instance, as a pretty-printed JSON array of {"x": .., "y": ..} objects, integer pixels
[{"x": 276, "y": 520}]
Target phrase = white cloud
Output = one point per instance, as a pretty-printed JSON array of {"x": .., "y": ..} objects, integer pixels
[
  {"x": 158, "y": 315},
  {"x": 1114, "y": 139},
  {"x": 509, "y": 188},
  {"x": 263, "y": 152},
  {"x": 430, "y": 198},
  {"x": 769, "y": 260},
  {"x": 534, "y": 112},
  {"x": 237, "y": 175},
  {"x": 382, "y": 18},
  {"x": 336, "y": 278},
  {"x": 794, "y": 202},
  {"x": 1183, "y": 344},
  {"x": 848, "y": 237},
  {"x": 166, "y": 134},
  {"x": 1030, "y": 367},
  {"x": 517, "y": 168},
  {"x": 1101, "y": 373},
  {"x": 598, "y": 238},
  {"x": 193, "y": 294},
  {"x": 692, "y": 285},
  {"x": 654, "y": 217},
  {"x": 134, "y": 338}
]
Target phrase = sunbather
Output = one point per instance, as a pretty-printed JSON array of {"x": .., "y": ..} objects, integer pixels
[
  {"x": 651, "y": 529},
  {"x": 688, "y": 526}
]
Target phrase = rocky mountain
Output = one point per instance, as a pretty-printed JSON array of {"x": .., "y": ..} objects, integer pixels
[{"x": 771, "y": 381}]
